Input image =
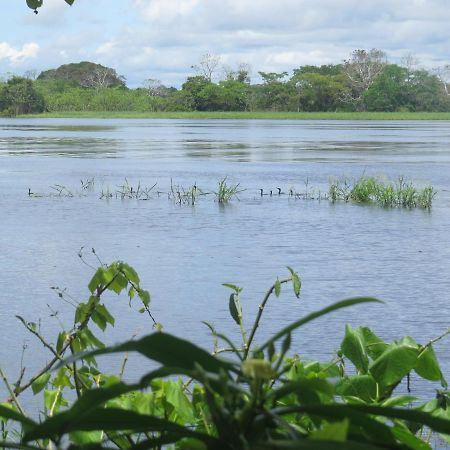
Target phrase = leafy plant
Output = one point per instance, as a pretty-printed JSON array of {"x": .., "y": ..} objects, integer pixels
[{"x": 259, "y": 398}]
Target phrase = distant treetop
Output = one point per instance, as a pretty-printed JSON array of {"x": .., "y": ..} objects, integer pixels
[{"x": 85, "y": 74}]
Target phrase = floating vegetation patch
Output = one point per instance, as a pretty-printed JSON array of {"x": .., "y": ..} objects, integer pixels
[{"x": 372, "y": 190}]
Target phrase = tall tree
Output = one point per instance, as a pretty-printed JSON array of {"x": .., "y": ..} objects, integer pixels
[
  {"x": 361, "y": 71},
  {"x": 18, "y": 96}
]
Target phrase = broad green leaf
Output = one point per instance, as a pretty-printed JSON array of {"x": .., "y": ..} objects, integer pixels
[
  {"x": 69, "y": 2},
  {"x": 130, "y": 273},
  {"x": 412, "y": 415},
  {"x": 363, "y": 387},
  {"x": 427, "y": 365},
  {"x": 102, "y": 311},
  {"x": 168, "y": 350},
  {"x": 96, "y": 280},
  {"x": 86, "y": 437},
  {"x": 8, "y": 412},
  {"x": 317, "y": 314},
  {"x": 353, "y": 348},
  {"x": 306, "y": 389},
  {"x": 99, "y": 320},
  {"x": 178, "y": 399},
  {"x": 40, "y": 383},
  {"x": 394, "y": 364},
  {"x": 234, "y": 307},
  {"x": 373, "y": 344},
  {"x": 379, "y": 432},
  {"x": 335, "y": 431},
  {"x": 405, "y": 436}
]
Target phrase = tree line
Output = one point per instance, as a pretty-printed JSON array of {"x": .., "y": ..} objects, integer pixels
[{"x": 367, "y": 81}]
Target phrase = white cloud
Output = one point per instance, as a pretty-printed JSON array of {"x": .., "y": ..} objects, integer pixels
[
  {"x": 16, "y": 56},
  {"x": 163, "y": 10}
]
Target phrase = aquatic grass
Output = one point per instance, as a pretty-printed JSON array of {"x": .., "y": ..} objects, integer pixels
[
  {"x": 137, "y": 192},
  {"x": 185, "y": 196},
  {"x": 226, "y": 192},
  {"x": 371, "y": 190}
]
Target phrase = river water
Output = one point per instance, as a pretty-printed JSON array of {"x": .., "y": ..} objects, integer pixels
[{"x": 184, "y": 253}]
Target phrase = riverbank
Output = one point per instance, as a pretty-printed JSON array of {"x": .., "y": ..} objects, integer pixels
[{"x": 247, "y": 115}]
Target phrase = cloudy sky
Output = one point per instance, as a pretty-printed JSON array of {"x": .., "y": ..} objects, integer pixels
[{"x": 163, "y": 39}]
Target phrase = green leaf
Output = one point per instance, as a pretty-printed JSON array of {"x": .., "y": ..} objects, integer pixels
[
  {"x": 405, "y": 436},
  {"x": 40, "y": 383},
  {"x": 130, "y": 273},
  {"x": 96, "y": 280},
  {"x": 296, "y": 282},
  {"x": 353, "y": 348},
  {"x": 7, "y": 412},
  {"x": 144, "y": 296},
  {"x": 393, "y": 364},
  {"x": 307, "y": 390},
  {"x": 373, "y": 344},
  {"x": 277, "y": 287},
  {"x": 168, "y": 350},
  {"x": 428, "y": 366},
  {"x": 400, "y": 400},
  {"x": 109, "y": 419},
  {"x": 69, "y": 2},
  {"x": 317, "y": 314},
  {"x": 235, "y": 288},
  {"x": 234, "y": 307},
  {"x": 178, "y": 399},
  {"x": 61, "y": 340},
  {"x": 412, "y": 415},
  {"x": 86, "y": 437},
  {"x": 34, "y": 4},
  {"x": 363, "y": 387},
  {"x": 336, "y": 431},
  {"x": 99, "y": 320},
  {"x": 102, "y": 311}
]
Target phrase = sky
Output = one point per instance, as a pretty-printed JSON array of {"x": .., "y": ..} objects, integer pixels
[{"x": 163, "y": 39}]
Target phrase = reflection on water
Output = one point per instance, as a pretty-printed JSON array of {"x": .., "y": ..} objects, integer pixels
[{"x": 184, "y": 254}]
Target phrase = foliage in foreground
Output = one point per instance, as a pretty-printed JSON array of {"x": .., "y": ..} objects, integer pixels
[{"x": 261, "y": 398}]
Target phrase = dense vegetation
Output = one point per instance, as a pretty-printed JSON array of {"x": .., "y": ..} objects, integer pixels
[
  {"x": 364, "y": 82},
  {"x": 261, "y": 397}
]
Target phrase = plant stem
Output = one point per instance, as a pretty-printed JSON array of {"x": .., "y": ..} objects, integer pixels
[{"x": 259, "y": 315}]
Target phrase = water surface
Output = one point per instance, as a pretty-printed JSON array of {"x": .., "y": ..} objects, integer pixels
[{"x": 184, "y": 254}]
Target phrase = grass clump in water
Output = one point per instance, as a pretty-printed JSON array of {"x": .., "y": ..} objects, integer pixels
[
  {"x": 226, "y": 192},
  {"x": 371, "y": 190}
]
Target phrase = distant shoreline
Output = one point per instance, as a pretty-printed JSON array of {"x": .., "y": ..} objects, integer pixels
[{"x": 247, "y": 115}]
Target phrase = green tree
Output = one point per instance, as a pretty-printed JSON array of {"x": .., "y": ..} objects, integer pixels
[
  {"x": 388, "y": 91},
  {"x": 274, "y": 94},
  {"x": 318, "y": 92},
  {"x": 18, "y": 96}
]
